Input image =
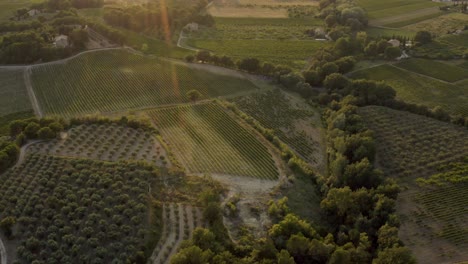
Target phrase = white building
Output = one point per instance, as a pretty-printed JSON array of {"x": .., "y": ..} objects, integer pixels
[
  {"x": 33, "y": 12},
  {"x": 192, "y": 26},
  {"x": 61, "y": 41},
  {"x": 394, "y": 42}
]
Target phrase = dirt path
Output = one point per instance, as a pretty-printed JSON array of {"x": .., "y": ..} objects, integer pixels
[
  {"x": 405, "y": 16},
  {"x": 3, "y": 254},
  {"x": 30, "y": 90},
  {"x": 181, "y": 43}
]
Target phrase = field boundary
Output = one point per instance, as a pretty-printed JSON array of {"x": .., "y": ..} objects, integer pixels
[{"x": 30, "y": 90}]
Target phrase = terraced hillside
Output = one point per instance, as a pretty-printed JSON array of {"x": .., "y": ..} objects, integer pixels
[
  {"x": 108, "y": 81},
  {"x": 13, "y": 95},
  {"x": 428, "y": 158},
  {"x": 207, "y": 139},
  {"x": 293, "y": 121}
]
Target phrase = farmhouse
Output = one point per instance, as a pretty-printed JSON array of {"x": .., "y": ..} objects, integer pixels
[
  {"x": 61, "y": 41},
  {"x": 192, "y": 26},
  {"x": 394, "y": 42},
  {"x": 33, "y": 12}
]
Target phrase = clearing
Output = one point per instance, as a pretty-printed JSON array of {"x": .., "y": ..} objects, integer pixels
[
  {"x": 410, "y": 147},
  {"x": 13, "y": 95},
  {"x": 116, "y": 80},
  {"x": 442, "y": 24},
  {"x": 416, "y": 88},
  {"x": 209, "y": 140}
]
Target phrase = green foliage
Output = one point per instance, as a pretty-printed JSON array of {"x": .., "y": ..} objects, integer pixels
[
  {"x": 392, "y": 53},
  {"x": 193, "y": 95},
  {"x": 395, "y": 255},
  {"x": 75, "y": 194},
  {"x": 423, "y": 37}
]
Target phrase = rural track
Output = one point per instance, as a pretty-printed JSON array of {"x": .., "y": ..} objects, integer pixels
[
  {"x": 3, "y": 254},
  {"x": 30, "y": 90}
]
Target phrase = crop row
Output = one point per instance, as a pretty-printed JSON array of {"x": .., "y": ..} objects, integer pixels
[
  {"x": 106, "y": 142},
  {"x": 13, "y": 95},
  {"x": 109, "y": 81},
  {"x": 275, "y": 111},
  {"x": 179, "y": 222},
  {"x": 207, "y": 139}
]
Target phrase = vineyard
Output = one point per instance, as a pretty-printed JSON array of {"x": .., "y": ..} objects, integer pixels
[
  {"x": 286, "y": 52},
  {"x": 259, "y": 28},
  {"x": 410, "y": 147},
  {"x": 207, "y": 139},
  {"x": 179, "y": 222},
  {"x": 106, "y": 142},
  {"x": 13, "y": 95},
  {"x": 418, "y": 89},
  {"x": 110, "y": 81},
  {"x": 80, "y": 211},
  {"x": 296, "y": 124},
  {"x": 438, "y": 70}
]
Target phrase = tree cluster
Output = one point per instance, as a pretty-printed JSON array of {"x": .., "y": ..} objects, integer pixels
[{"x": 158, "y": 19}]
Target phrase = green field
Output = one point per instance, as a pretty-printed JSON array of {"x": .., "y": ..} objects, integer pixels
[
  {"x": 258, "y": 28},
  {"x": 286, "y": 52},
  {"x": 13, "y": 95},
  {"x": 418, "y": 89},
  {"x": 295, "y": 124},
  {"x": 118, "y": 80},
  {"x": 207, "y": 139},
  {"x": 441, "y": 25},
  {"x": 380, "y": 9},
  {"x": 411, "y": 147},
  {"x": 7, "y": 8},
  {"x": 435, "y": 69},
  {"x": 378, "y": 32},
  {"x": 414, "y": 20}
]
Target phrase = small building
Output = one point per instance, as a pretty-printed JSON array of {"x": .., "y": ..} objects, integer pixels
[
  {"x": 394, "y": 42},
  {"x": 192, "y": 26},
  {"x": 33, "y": 12},
  {"x": 408, "y": 44},
  {"x": 61, "y": 41}
]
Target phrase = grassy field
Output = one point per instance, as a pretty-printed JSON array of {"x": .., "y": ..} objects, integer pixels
[
  {"x": 379, "y": 9},
  {"x": 100, "y": 210},
  {"x": 8, "y": 7},
  {"x": 247, "y": 11},
  {"x": 287, "y": 52},
  {"x": 13, "y": 95},
  {"x": 279, "y": 2},
  {"x": 208, "y": 140},
  {"x": 259, "y": 28},
  {"x": 411, "y": 147},
  {"x": 415, "y": 88},
  {"x": 414, "y": 20},
  {"x": 441, "y": 25},
  {"x": 438, "y": 70},
  {"x": 292, "y": 121},
  {"x": 118, "y": 80}
]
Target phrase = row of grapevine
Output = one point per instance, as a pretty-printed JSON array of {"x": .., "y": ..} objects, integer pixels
[
  {"x": 106, "y": 142},
  {"x": 13, "y": 94},
  {"x": 274, "y": 110},
  {"x": 110, "y": 81},
  {"x": 179, "y": 222},
  {"x": 76, "y": 211},
  {"x": 207, "y": 139},
  {"x": 420, "y": 153}
]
